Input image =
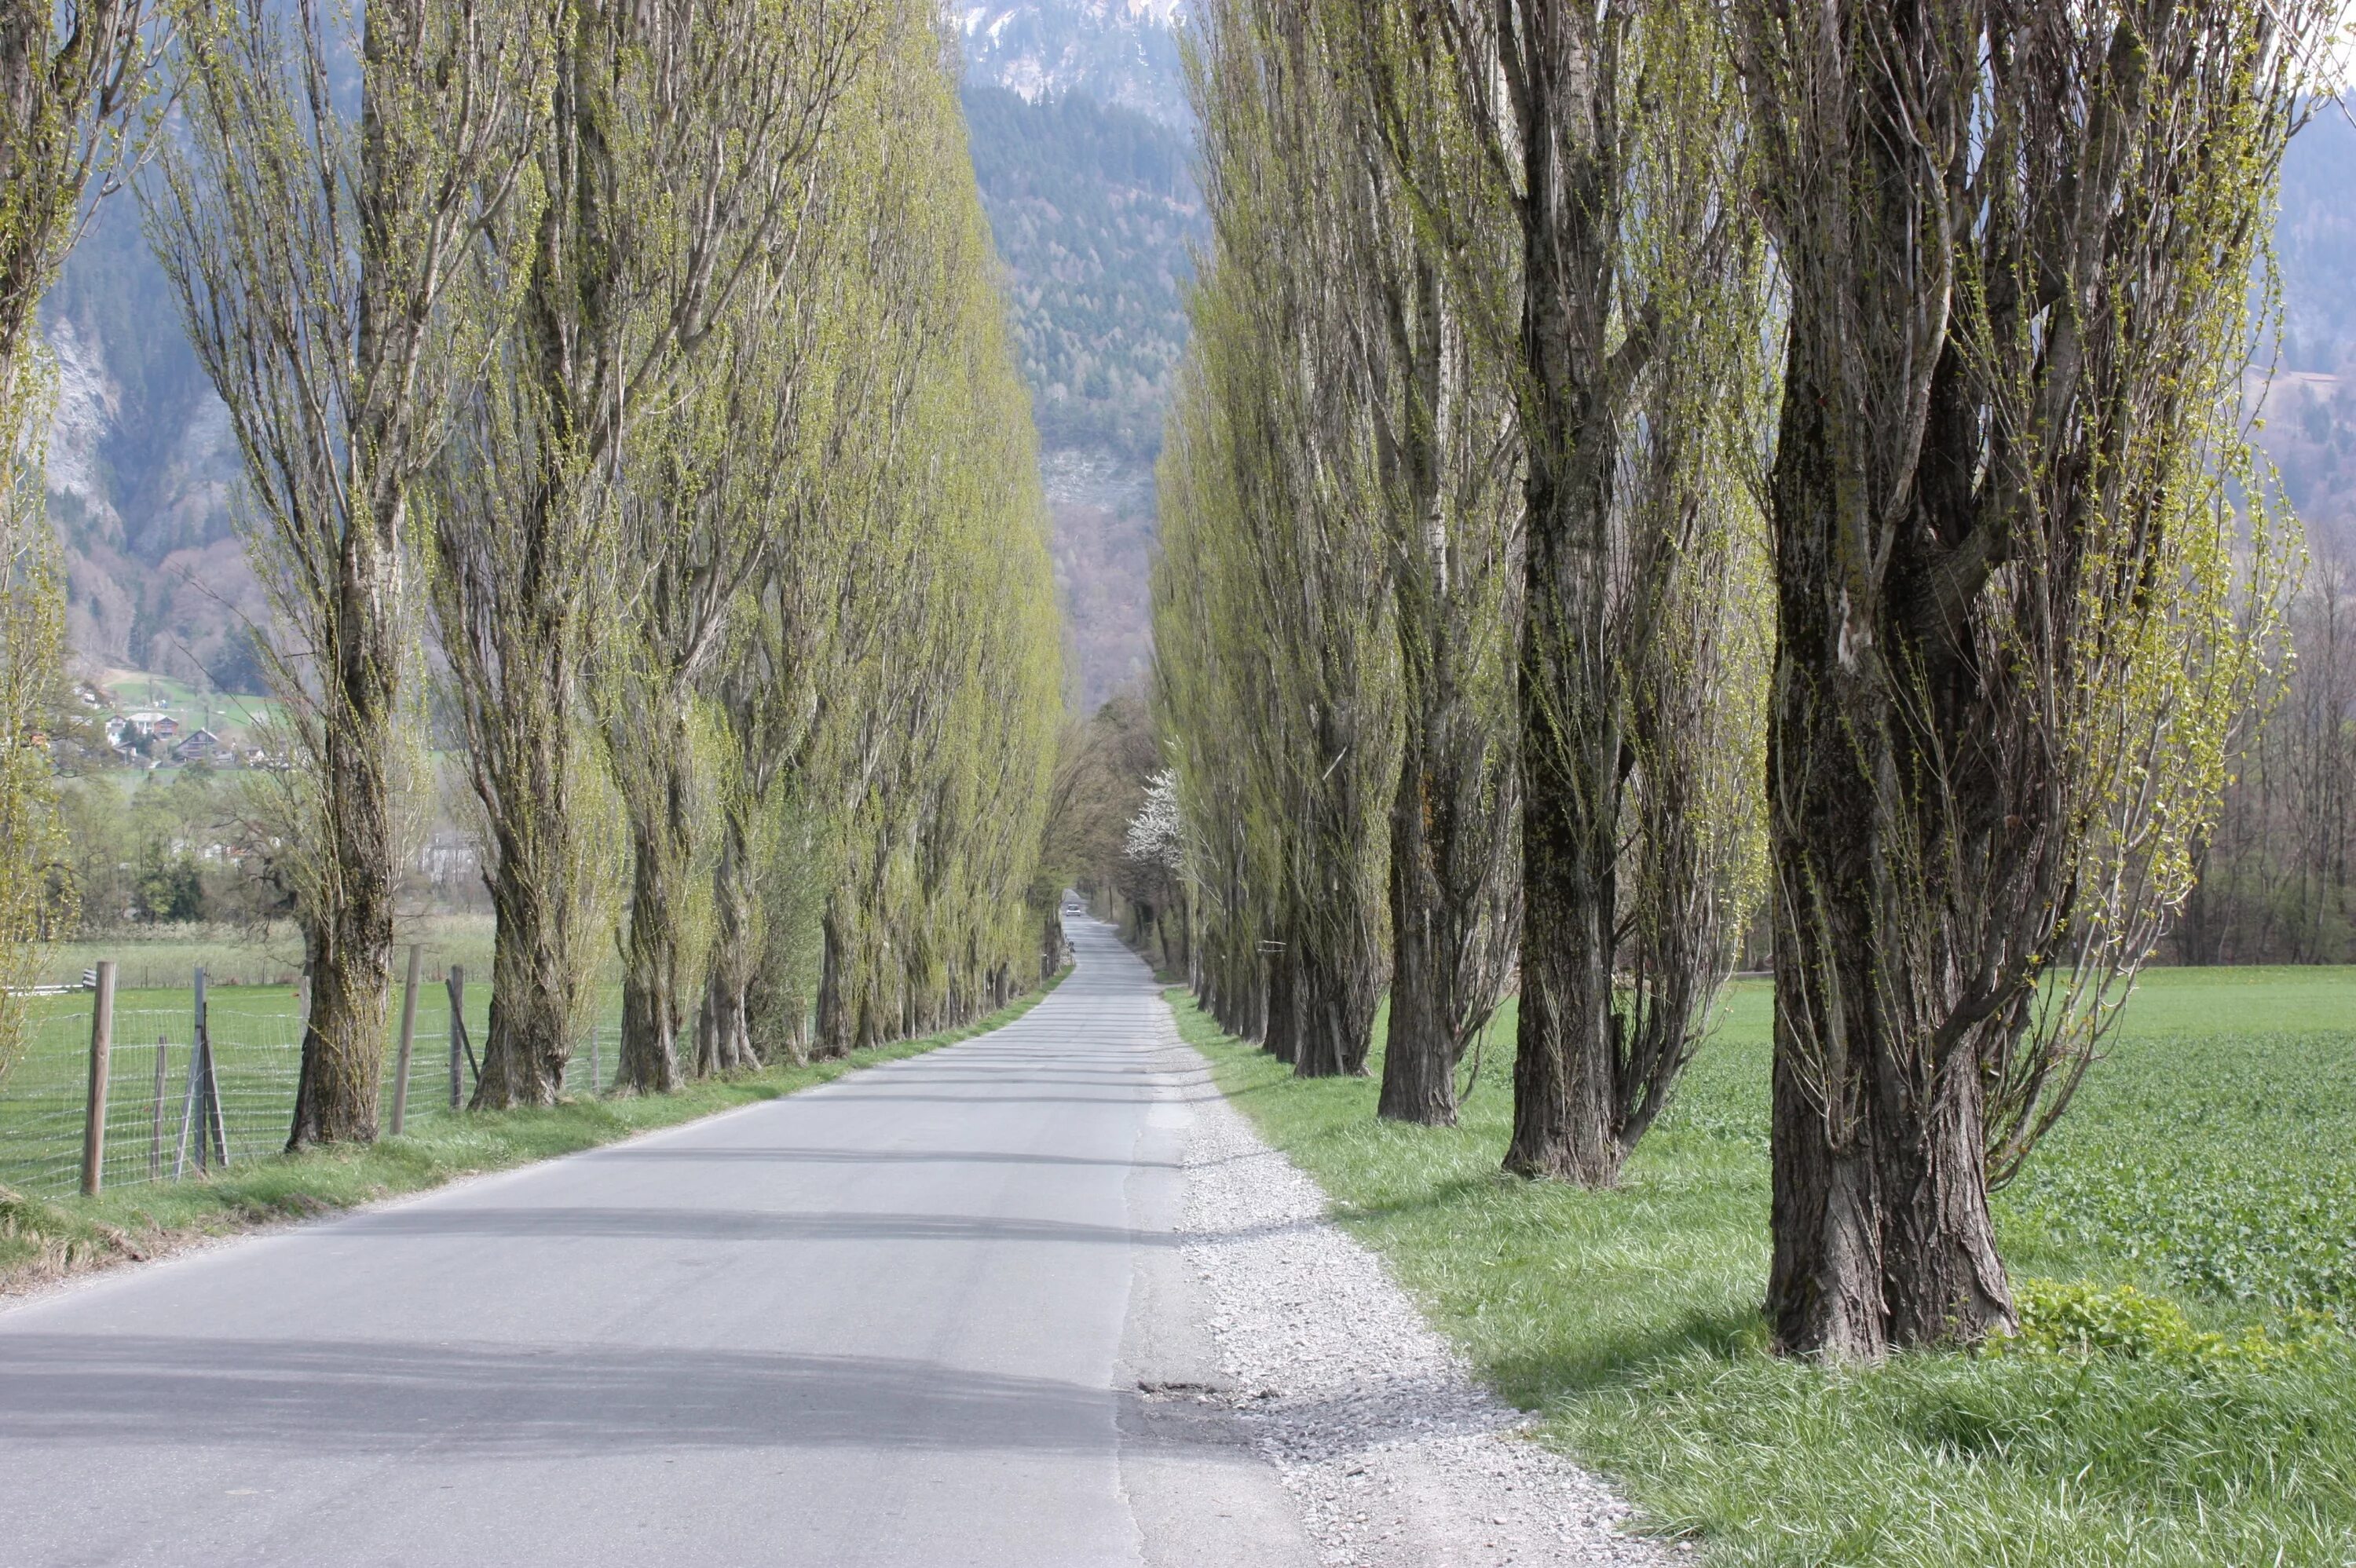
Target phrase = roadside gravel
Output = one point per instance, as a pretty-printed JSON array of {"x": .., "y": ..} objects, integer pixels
[{"x": 1395, "y": 1457}]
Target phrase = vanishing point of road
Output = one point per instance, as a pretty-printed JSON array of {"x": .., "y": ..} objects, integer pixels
[{"x": 900, "y": 1319}]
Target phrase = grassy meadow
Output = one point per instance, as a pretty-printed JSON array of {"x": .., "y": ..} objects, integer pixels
[
  {"x": 40, "y": 1238},
  {"x": 2194, "y": 1216},
  {"x": 256, "y": 1033},
  {"x": 162, "y": 958}
]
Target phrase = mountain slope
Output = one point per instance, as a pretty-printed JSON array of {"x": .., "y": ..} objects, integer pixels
[
  {"x": 1124, "y": 53},
  {"x": 1094, "y": 210}
]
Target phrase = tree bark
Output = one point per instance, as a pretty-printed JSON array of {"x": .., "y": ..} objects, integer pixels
[
  {"x": 1337, "y": 995},
  {"x": 655, "y": 985},
  {"x": 834, "y": 1020},
  {"x": 1571, "y": 765},
  {"x": 723, "y": 1034},
  {"x": 1566, "y": 1093},
  {"x": 349, "y": 939},
  {"x": 1281, "y": 1034},
  {"x": 1883, "y": 1237},
  {"x": 1419, "y": 1052},
  {"x": 530, "y": 1035},
  {"x": 349, "y": 935}
]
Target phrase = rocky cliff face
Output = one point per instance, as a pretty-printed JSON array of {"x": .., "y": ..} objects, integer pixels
[{"x": 142, "y": 471}]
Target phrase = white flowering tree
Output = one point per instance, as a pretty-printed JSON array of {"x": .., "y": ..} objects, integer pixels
[
  {"x": 1156, "y": 850},
  {"x": 1156, "y": 834}
]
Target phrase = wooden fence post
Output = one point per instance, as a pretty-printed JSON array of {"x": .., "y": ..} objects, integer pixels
[
  {"x": 101, "y": 1047},
  {"x": 457, "y": 984},
  {"x": 408, "y": 1034}
]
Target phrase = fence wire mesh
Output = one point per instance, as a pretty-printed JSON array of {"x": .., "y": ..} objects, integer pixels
[{"x": 153, "y": 1116}]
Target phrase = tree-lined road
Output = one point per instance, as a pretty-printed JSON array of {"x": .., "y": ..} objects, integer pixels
[{"x": 898, "y": 1320}]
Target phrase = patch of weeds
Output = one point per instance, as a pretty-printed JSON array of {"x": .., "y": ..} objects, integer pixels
[{"x": 2083, "y": 1319}]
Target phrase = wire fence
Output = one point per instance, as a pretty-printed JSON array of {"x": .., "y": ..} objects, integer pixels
[{"x": 157, "y": 1103}]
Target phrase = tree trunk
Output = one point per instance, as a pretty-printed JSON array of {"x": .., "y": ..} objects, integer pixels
[
  {"x": 1336, "y": 993},
  {"x": 1564, "y": 1094},
  {"x": 532, "y": 1008},
  {"x": 350, "y": 935},
  {"x": 833, "y": 1006},
  {"x": 1420, "y": 1053},
  {"x": 1882, "y": 1233},
  {"x": 1280, "y": 1034},
  {"x": 655, "y": 983},
  {"x": 723, "y": 1033},
  {"x": 536, "y": 961},
  {"x": 1564, "y": 1088},
  {"x": 348, "y": 939}
]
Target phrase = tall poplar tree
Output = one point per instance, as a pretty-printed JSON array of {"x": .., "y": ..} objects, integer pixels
[
  {"x": 73, "y": 81},
  {"x": 328, "y": 271},
  {"x": 2009, "y": 488},
  {"x": 1604, "y": 123}
]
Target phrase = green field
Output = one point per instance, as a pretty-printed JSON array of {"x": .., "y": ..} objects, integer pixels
[
  {"x": 40, "y": 1238},
  {"x": 225, "y": 714},
  {"x": 2210, "y": 1162},
  {"x": 256, "y": 1037},
  {"x": 163, "y": 956}
]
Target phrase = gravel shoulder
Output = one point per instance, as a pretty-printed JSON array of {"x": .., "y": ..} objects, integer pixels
[{"x": 1393, "y": 1456}]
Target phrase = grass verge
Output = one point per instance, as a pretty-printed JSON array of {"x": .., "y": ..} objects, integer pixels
[
  {"x": 43, "y": 1240},
  {"x": 2200, "y": 1185}
]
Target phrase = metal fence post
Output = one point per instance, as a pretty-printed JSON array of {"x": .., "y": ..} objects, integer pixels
[
  {"x": 457, "y": 1027},
  {"x": 218, "y": 1120},
  {"x": 201, "y": 1112},
  {"x": 408, "y": 1034},
  {"x": 188, "y": 1100},
  {"x": 155, "y": 1109},
  {"x": 102, "y": 1046}
]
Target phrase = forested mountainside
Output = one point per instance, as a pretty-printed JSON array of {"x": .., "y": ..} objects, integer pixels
[
  {"x": 1095, "y": 209},
  {"x": 141, "y": 473},
  {"x": 1083, "y": 148},
  {"x": 1119, "y": 52},
  {"x": 2310, "y": 406}
]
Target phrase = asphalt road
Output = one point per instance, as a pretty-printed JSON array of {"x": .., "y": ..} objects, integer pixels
[{"x": 921, "y": 1315}]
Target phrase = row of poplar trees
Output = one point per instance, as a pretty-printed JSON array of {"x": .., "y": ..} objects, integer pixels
[
  {"x": 1645, "y": 461},
  {"x": 626, "y": 400}
]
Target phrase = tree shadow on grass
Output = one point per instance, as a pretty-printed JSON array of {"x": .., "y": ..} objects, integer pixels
[{"x": 1623, "y": 1356}]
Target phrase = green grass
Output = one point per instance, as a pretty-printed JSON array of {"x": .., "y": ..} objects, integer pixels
[
  {"x": 2210, "y": 1161},
  {"x": 256, "y": 1033},
  {"x": 42, "y": 1238},
  {"x": 163, "y": 956}
]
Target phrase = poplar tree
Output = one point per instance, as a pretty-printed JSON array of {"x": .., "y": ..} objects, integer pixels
[
  {"x": 695, "y": 520},
  {"x": 1291, "y": 532},
  {"x": 72, "y": 79},
  {"x": 1430, "y": 293},
  {"x": 330, "y": 282},
  {"x": 2009, "y": 488},
  {"x": 666, "y": 159},
  {"x": 1605, "y": 126}
]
